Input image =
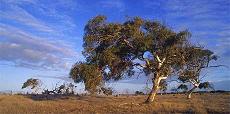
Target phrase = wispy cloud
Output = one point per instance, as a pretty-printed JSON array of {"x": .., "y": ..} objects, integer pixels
[
  {"x": 18, "y": 14},
  {"x": 64, "y": 77},
  {"x": 32, "y": 33},
  {"x": 26, "y": 50},
  {"x": 52, "y": 11},
  {"x": 60, "y": 21},
  {"x": 208, "y": 21},
  {"x": 117, "y": 4}
]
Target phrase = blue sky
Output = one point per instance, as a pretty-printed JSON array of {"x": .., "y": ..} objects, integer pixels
[{"x": 43, "y": 38}]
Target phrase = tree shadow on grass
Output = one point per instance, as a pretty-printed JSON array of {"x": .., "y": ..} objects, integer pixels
[{"x": 41, "y": 97}]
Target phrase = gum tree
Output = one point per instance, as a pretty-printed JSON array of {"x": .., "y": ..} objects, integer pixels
[
  {"x": 116, "y": 50},
  {"x": 33, "y": 84},
  {"x": 197, "y": 59}
]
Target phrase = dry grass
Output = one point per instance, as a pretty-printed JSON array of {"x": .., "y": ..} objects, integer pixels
[{"x": 204, "y": 103}]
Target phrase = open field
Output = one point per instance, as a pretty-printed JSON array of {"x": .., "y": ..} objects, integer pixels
[{"x": 171, "y": 103}]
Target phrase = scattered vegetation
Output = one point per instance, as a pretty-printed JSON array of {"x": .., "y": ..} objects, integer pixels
[
  {"x": 65, "y": 88},
  {"x": 139, "y": 93},
  {"x": 35, "y": 84},
  {"x": 106, "y": 90}
]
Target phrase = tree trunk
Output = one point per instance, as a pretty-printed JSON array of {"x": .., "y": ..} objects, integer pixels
[
  {"x": 155, "y": 88},
  {"x": 156, "y": 81},
  {"x": 190, "y": 92}
]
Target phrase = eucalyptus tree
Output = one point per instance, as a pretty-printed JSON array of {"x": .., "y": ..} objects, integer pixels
[
  {"x": 197, "y": 59},
  {"x": 33, "y": 84},
  {"x": 114, "y": 51}
]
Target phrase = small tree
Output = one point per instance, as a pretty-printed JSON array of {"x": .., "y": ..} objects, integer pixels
[
  {"x": 34, "y": 84},
  {"x": 197, "y": 59}
]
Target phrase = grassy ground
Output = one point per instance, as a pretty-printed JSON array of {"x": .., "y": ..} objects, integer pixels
[{"x": 204, "y": 103}]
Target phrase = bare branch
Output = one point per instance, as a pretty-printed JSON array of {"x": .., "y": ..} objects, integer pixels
[
  {"x": 140, "y": 65},
  {"x": 162, "y": 78},
  {"x": 158, "y": 59},
  {"x": 139, "y": 73},
  {"x": 127, "y": 42},
  {"x": 163, "y": 60},
  {"x": 220, "y": 66},
  {"x": 147, "y": 62},
  {"x": 194, "y": 82},
  {"x": 203, "y": 76}
]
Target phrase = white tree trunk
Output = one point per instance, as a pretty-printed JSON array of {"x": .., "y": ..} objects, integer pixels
[
  {"x": 155, "y": 88},
  {"x": 195, "y": 85},
  {"x": 154, "y": 91},
  {"x": 156, "y": 81},
  {"x": 190, "y": 92}
]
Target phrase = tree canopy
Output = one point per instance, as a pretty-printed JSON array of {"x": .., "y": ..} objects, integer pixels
[
  {"x": 196, "y": 59},
  {"x": 33, "y": 83},
  {"x": 117, "y": 50}
]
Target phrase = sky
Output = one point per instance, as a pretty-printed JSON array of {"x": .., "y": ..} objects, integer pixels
[{"x": 43, "y": 38}]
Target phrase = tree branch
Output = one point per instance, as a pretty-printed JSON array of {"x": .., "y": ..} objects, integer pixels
[
  {"x": 163, "y": 60},
  {"x": 219, "y": 66},
  {"x": 162, "y": 78},
  {"x": 138, "y": 64},
  {"x": 194, "y": 82},
  {"x": 158, "y": 59},
  {"x": 127, "y": 42}
]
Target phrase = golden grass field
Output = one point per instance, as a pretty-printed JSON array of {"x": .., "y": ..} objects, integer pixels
[{"x": 171, "y": 103}]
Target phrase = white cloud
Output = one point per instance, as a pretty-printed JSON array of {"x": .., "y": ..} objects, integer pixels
[
  {"x": 208, "y": 21},
  {"x": 31, "y": 40},
  {"x": 57, "y": 12},
  {"x": 26, "y": 50},
  {"x": 64, "y": 77},
  {"x": 18, "y": 14},
  {"x": 61, "y": 22},
  {"x": 113, "y": 4}
]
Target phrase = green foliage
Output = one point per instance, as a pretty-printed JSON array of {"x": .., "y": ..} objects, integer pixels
[
  {"x": 33, "y": 83},
  {"x": 206, "y": 85},
  {"x": 196, "y": 60},
  {"x": 182, "y": 87},
  {"x": 113, "y": 49},
  {"x": 87, "y": 73}
]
